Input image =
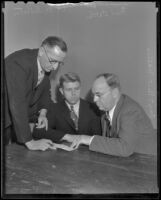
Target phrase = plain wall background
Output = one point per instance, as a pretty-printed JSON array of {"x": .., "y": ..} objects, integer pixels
[{"x": 101, "y": 37}]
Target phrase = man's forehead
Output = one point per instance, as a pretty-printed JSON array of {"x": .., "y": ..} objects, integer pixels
[
  {"x": 99, "y": 85},
  {"x": 71, "y": 84},
  {"x": 56, "y": 51}
]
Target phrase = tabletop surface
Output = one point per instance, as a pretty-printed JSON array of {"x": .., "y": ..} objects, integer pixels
[{"x": 77, "y": 172}]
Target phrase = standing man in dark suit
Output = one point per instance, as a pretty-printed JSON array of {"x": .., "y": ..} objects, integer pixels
[
  {"x": 126, "y": 128},
  {"x": 71, "y": 116},
  {"x": 27, "y": 90}
]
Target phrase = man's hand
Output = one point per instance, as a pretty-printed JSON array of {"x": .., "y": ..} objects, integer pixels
[
  {"x": 69, "y": 137},
  {"x": 76, "y": 140},
  {"x": 42, "y": 120},
  {"x": 42, "y": 144},
  {"x": 32, "y": 125},
  {"x": 64, "y": 147}
]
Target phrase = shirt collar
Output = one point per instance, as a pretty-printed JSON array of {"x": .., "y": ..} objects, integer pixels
[
  {"x": 40, "y": 70},
  {"x": 111, "y": 112},
  {"x": 75, "y": 107}
]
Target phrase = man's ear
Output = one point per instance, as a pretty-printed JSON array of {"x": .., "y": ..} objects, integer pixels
[
  {"x": 41, "y": 51},
  {"x": 115, "y": 92},
  {"x": 61, "y": 91}
]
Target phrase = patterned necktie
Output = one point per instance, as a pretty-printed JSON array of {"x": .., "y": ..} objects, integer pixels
[
  {"x": 107, "y": 124},
  {"x": 74, "y": 117}
]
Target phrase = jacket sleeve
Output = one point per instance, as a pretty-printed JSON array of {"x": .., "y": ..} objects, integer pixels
[
  {"x": 16, "y": 87},
  {"x": 125, "y": 143},
  {"x": 51, "y": 134}
]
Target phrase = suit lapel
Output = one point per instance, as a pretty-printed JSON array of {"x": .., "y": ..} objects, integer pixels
[{"x": 35, "y": 69}]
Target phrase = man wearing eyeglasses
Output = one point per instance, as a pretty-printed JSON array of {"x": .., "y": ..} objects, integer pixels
[
  {"x": 126, "y": 128},
  {"x": 27, "y": 90}
]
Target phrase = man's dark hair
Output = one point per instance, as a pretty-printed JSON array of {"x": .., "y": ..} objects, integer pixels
[
  {"x": 111, "y": 79},
  {"x": 69, "y": 77},
  {"x": 52, "y": 41}
]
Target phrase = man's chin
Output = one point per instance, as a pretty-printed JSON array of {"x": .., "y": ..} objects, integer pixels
[
  {"x": 101, "y": 108},
  {"x": 73, "y": 102},
  {"x": 48, "y": 72}
]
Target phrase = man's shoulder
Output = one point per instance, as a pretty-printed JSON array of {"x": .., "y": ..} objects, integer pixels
[
  {"x": 129, "y": 104},
  {"x": 23, "y": 53}
]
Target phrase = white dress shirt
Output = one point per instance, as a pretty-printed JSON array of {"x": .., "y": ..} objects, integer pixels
[
  {"x": 111, "y": 112},
  {"x": 41, "y": 73},
  {"x": 75, "y": 107}
]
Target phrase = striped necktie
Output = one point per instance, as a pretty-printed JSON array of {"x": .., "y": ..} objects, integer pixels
[
  {"x": 107, "y": 124},
  {"x": 74, "y": 117}
]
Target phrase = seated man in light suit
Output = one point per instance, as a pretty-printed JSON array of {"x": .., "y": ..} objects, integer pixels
[
  {"x": 126, "y": 128},
  {"x": 70, "y": 116}
]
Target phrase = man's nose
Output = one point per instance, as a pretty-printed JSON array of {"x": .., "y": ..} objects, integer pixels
[
  {"x": 55, "y": 66},
  {"x": 73, "y": 92},
  {"x": 95, "y": 98}
]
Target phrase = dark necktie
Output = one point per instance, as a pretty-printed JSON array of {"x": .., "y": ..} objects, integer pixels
[
  {"x": 74, "y": 117},
  {"x": 108, "y": 125}
]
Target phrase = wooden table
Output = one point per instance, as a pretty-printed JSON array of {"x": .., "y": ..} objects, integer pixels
[{"x": 80, "y": 171}]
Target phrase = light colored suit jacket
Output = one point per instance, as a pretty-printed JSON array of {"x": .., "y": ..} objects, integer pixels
[{"x": 132, "y": 131}]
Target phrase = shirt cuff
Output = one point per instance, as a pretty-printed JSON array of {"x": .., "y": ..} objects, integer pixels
[{"x": 91, "y": 140}]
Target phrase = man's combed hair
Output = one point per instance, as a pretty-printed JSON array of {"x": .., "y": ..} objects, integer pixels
[
  {"x": 69, "y": 77},
  {"x": 111, "y": 79},
  {"x": 52, "y": 41}
]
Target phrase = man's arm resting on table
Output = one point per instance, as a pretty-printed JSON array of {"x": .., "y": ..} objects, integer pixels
[
  {"x": 84, "y": 139},
  {"x": 76, "y": 140}
]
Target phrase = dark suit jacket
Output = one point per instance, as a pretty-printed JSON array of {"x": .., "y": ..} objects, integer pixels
[
  {"x": 60, "y": 122},
  {"x": 22, "y": 98},
  {"x": 132, "y": 131}
]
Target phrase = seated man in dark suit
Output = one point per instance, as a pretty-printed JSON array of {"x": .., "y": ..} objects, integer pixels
[
  {"x": 71, "y": 116},
  {"x": 126, "y": 128}
]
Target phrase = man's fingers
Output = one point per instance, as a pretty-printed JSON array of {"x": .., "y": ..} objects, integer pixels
[
  {"x": 75, "y": 144},
  {"x": 52, "y": 147},
  {"x": 64, "y": 147}
]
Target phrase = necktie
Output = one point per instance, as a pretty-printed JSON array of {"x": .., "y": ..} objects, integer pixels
[
  {"x": 107, "y": 124},
  {"x": 74, "y": 117}
]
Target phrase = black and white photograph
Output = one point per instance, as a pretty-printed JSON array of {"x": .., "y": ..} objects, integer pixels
[{"x": 80, "y": 100}]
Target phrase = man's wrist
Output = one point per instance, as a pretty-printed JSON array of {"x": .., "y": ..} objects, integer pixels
[
  {"x": 65, "y": 137},
  {"x": 91, "y": 140},
  {"x": 29, "y": 143},
  {"x": 43, "y": 112}
]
